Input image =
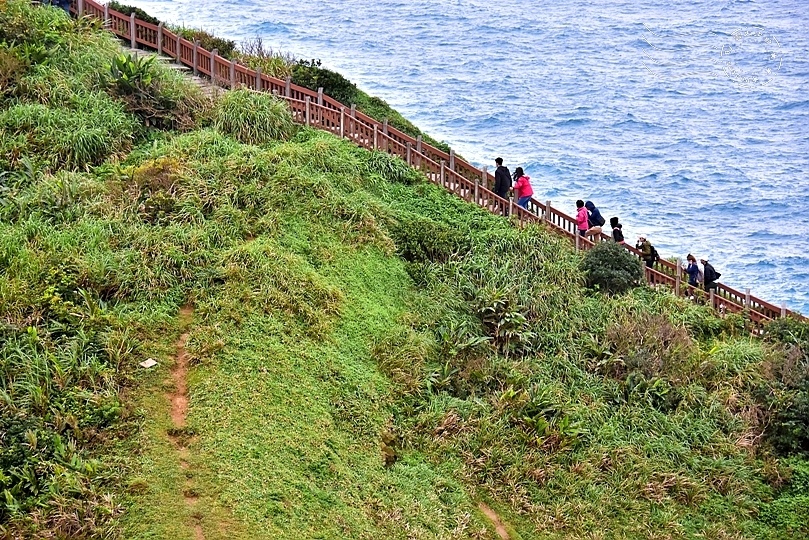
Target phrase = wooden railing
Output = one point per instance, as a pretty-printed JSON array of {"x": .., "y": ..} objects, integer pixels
[{"x": 456, "y": 175}]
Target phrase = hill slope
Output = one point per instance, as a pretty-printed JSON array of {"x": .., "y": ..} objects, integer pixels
[{"x": 344, "y": 351}]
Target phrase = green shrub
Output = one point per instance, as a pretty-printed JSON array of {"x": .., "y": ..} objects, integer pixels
[
  {"x": 611, "y": 269},
  {"x": 225, "y": 47},
  {"x": 789, "y": 512},
  {"x": 255, "y": 55},
  {"x": 61, "y": 137},
  {"x": 392, "y": 168},
  {"x": 253, "y": 117},
  {"x": 129, "y": 10},
  {"x": 309, "y": 74},
  {"x": 420, "y": 239}
]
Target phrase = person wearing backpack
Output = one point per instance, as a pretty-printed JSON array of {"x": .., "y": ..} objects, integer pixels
[
  {"x": 502, "y": 179},
  {"x": 594, "y": 219},
  {"x": 710, "y": 275},
  {"x": 617, "y": 232},
  {"x": 647, "y": 251}
]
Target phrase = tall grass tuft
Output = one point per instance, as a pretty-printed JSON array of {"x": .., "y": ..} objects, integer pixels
[{"x": 253, "y": 117}]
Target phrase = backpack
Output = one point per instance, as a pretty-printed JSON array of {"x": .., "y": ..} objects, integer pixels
[
  {"x": 655, "y": 254},
  {"x": 601, "y": 221}
]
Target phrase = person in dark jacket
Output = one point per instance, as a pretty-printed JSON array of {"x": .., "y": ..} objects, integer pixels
[
  {"x": 502, "y": 179},
  {"x": 709, "y": 275},
  {"x": 693, "y": 271},
  {"x": 595, "y": 218},
  {"x": 617, "y": 232},
  {"x": 647, "y": 251}
]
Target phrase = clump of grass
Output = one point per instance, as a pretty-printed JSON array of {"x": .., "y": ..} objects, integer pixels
[{"x": 253, "y": 117}]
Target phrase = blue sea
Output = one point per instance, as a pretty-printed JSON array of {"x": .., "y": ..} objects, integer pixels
[{"x": 689, "y": 121}]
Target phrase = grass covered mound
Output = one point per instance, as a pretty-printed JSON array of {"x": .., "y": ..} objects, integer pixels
[{"x": 368, "y": 357}]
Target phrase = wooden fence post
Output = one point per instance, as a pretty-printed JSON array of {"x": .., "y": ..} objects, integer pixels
[
  {"x": 159, "y": 38},
  {"x": 385, "y": 126},
  {"x": 308, "y": 103},
  {"x": 511, "y": 205},
  {"x": 320, "y": 96},
  {"x": 232, "y": 74},
  {"x": 376, "y": 136},
  {"x": 747, "y": 299},
  {"x": 783, "y": 310},
  {"x": 409, "y": 151},
  {"x": 443, "y": 172},
  {"x": 288, "y": 87},
  {"x": 678, "y": 276},
  {"x": 342, "y": 122},
  {"x": 195, "y": 56},
  {"x": 547, "y": 214},
  {"x": 451, "y": 159},
  {"x": 712, "y": 298},
  {"x": 179, "y": 55},
  {"x": 214, "y": 77},
  {"x": 107, "y": 16},
  {"x": 477, "y": 190},
  {"x": 259, "y": 85},
  {"x": 353, "y": 110},
  {"x": 133, "y": 41},
  {"x": 578, "y": 237},
  {"x": 81, "y": 8}
]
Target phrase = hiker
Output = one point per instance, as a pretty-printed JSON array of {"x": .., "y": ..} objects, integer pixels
[
  {"x": 595, "y": 218},
  {"x": 522, "y": 188},
  {"x": 64, "y": 4},
  {"x": 502, "y": 179},
  {"x": 617, "y": 233},
  {"x": 647, "y": 251},
  {"x": 582, "y": 218},
  {"x": 709, "y": 275},
  {"x": 693, "y": 271}
]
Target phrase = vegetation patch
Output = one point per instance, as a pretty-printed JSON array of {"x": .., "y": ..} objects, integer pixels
[{"x": 369, "y": 356}]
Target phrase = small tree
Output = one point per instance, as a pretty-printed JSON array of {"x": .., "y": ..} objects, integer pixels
[{"x": 611, "y": 268}]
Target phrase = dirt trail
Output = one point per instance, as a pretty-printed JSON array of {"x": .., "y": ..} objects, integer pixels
[
  {"x": 179, "y": 415},
  {"x": 495, "y": 519}
]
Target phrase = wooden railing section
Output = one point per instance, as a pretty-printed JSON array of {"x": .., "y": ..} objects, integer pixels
[{"x": 320, "y": 111}]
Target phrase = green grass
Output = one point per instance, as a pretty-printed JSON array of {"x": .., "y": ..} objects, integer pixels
[{"x": 370, "y": 357}]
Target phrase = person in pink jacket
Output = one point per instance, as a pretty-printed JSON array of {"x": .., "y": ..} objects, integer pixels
[
  {"x": 582, "y": 218},
  {"x": 522, "y": 188}
]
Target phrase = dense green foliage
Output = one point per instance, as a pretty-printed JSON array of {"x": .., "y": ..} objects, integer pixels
[
  {"x": 611, "y": 269},
  {"x": 253, "y": 118},
  {"x": 129, "y": 10},
  {"x": 370, "y": 356}
]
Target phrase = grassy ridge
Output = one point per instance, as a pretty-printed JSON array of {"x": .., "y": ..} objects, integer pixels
[{"x": 370, "y": 357}]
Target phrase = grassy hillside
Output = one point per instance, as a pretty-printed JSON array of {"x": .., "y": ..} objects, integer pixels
[{"x": 362, "y": 355}]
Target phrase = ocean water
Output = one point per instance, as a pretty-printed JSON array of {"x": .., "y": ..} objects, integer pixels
[{"x": 689, "y": 122}]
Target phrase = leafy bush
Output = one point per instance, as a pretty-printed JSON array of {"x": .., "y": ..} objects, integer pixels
[
  {"x": 255, "y": 55},
  {"x": 131, "y": 73},
  {"x": 11, "y": 68},
  {"x": 156, "y": 95},
  {"x": 225, "y": 47},
  {"x": 129, "y": 10},
  {"x": 420, "y": 239},
  {"x": 309, "y": 74},
  {"x": 392, "y": 168},
  {"x": 789, "y": 512},
  {"x": 61, "y": 137},
  {"x": 253, "y": 117},
  {"x": 611, "y": 269}
]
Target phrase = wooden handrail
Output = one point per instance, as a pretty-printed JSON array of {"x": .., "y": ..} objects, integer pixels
[{"x": 454, "y": 174}]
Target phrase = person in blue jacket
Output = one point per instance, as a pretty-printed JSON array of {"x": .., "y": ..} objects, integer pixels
[
  {"x": 595, "y": 219},
  {"x": 693, "y": 271}
]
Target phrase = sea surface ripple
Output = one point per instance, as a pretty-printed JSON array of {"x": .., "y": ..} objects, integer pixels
[{"x": 690, "y": 121}]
